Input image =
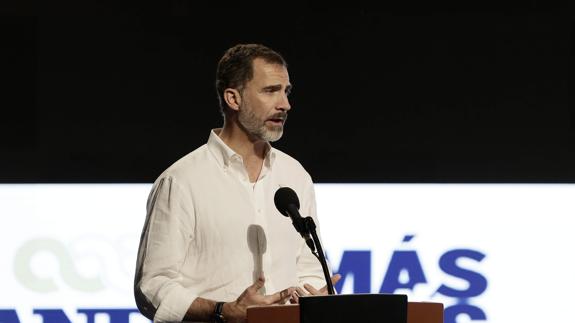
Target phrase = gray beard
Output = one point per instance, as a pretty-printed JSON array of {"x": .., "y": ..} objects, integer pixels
[{"x": 252, "y": 125}]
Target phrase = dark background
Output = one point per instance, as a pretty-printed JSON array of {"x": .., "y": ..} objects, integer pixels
[{"x": 426, "y": 94}]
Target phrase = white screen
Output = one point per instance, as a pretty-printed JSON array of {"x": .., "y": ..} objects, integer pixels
[{"x": 502, "y": 251}]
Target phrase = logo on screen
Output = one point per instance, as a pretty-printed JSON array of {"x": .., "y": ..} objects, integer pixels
[{"x": 405, "y": 271}]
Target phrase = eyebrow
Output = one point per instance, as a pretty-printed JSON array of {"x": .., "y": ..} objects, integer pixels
[{"x": 277, "y": 87}]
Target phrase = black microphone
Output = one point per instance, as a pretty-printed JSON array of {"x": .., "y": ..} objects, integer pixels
[{"x": 287, "y": 203}]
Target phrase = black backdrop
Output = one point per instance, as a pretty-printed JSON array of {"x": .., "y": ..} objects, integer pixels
[{"x": 379, "y": 95}]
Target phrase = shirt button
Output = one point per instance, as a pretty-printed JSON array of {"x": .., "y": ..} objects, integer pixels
[{"x": 259, "y": 210}]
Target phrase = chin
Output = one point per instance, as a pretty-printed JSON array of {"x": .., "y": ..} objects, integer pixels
[{"x": 273, "y": 136}]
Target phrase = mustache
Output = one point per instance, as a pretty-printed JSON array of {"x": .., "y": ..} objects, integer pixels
[{"x": 279, "y": 115}]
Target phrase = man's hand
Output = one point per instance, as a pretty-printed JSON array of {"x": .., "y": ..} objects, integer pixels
[
  {"x": 236, "y": 311},
  {"x": 310, "y": 290}
]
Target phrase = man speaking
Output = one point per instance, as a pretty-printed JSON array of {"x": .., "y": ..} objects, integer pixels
[{"x": 213, "y": 242}]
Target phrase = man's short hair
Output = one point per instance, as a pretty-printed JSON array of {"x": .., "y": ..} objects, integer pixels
[{"x": 235, "y": 68}]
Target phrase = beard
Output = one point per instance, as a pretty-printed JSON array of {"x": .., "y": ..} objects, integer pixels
[{"x": 257, "y": 128}]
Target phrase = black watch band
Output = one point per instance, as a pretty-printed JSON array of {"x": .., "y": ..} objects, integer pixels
[{"x": 218, "y": 316}]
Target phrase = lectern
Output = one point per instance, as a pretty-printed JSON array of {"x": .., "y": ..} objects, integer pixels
[{"x": 349, "y": 308}]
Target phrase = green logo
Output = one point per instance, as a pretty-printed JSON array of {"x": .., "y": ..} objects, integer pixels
[{"x": 68, "y": 271}]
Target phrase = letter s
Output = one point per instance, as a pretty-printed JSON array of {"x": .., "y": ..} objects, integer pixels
[{"x": 477, "y": 282}]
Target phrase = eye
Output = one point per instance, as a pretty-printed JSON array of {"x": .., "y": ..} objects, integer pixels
[{"x": 271, "y": 89}]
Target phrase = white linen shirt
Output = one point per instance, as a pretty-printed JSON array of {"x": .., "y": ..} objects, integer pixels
[{"x": 210, "y": 233}]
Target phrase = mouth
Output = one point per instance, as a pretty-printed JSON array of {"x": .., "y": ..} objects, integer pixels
[{"x": 277, "y": 120}]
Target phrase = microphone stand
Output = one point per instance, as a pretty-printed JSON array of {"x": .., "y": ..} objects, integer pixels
[{"x": 309, "y": 226}]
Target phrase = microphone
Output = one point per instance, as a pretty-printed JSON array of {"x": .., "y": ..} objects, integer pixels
[{"x": 287, "y": 203}]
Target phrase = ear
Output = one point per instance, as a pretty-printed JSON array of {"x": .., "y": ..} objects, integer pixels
[{"x": 233, "y": 98}]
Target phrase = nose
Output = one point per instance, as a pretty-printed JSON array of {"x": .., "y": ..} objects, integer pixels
[{"x": 284, "y": 103}]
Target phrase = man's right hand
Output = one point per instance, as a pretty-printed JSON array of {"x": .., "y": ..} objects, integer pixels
[{"x": 236, "y": 311}]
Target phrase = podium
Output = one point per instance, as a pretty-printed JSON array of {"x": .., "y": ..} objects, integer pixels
[{"x": 413, "y": 312}]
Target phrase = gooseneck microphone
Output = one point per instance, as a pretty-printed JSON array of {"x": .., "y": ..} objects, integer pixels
[{"x": 287, "y": 203}]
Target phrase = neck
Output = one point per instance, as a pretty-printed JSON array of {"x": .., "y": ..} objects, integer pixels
[{"x": 241, "y": 142}]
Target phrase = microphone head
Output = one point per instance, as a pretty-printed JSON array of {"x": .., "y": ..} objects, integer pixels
[{"x": 285, "y": 197}]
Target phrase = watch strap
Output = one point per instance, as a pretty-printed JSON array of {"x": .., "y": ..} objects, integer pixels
[{"x": 218, "y": 316}]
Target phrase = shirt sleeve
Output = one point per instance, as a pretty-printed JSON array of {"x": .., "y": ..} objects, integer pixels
[
  {"x": 164, "y": 243},
  {"x": 308, "y": 266}
]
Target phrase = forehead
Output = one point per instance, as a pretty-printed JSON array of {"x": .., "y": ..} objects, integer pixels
[{"x": 269, "y": 73}]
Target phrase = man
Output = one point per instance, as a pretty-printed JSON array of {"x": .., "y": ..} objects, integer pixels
[{"x": 213, "y": 242}]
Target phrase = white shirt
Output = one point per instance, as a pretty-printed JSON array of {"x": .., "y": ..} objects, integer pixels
[{"x": 210, "y": 233}]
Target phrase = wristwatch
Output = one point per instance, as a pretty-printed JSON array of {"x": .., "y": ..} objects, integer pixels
[{"x": 218, "y": 316}]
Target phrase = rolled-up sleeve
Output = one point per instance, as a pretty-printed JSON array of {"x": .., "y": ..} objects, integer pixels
[{"x": 164, "y": 246}]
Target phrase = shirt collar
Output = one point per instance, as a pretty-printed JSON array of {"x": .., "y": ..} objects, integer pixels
[{"x": 225, "y": 154}]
